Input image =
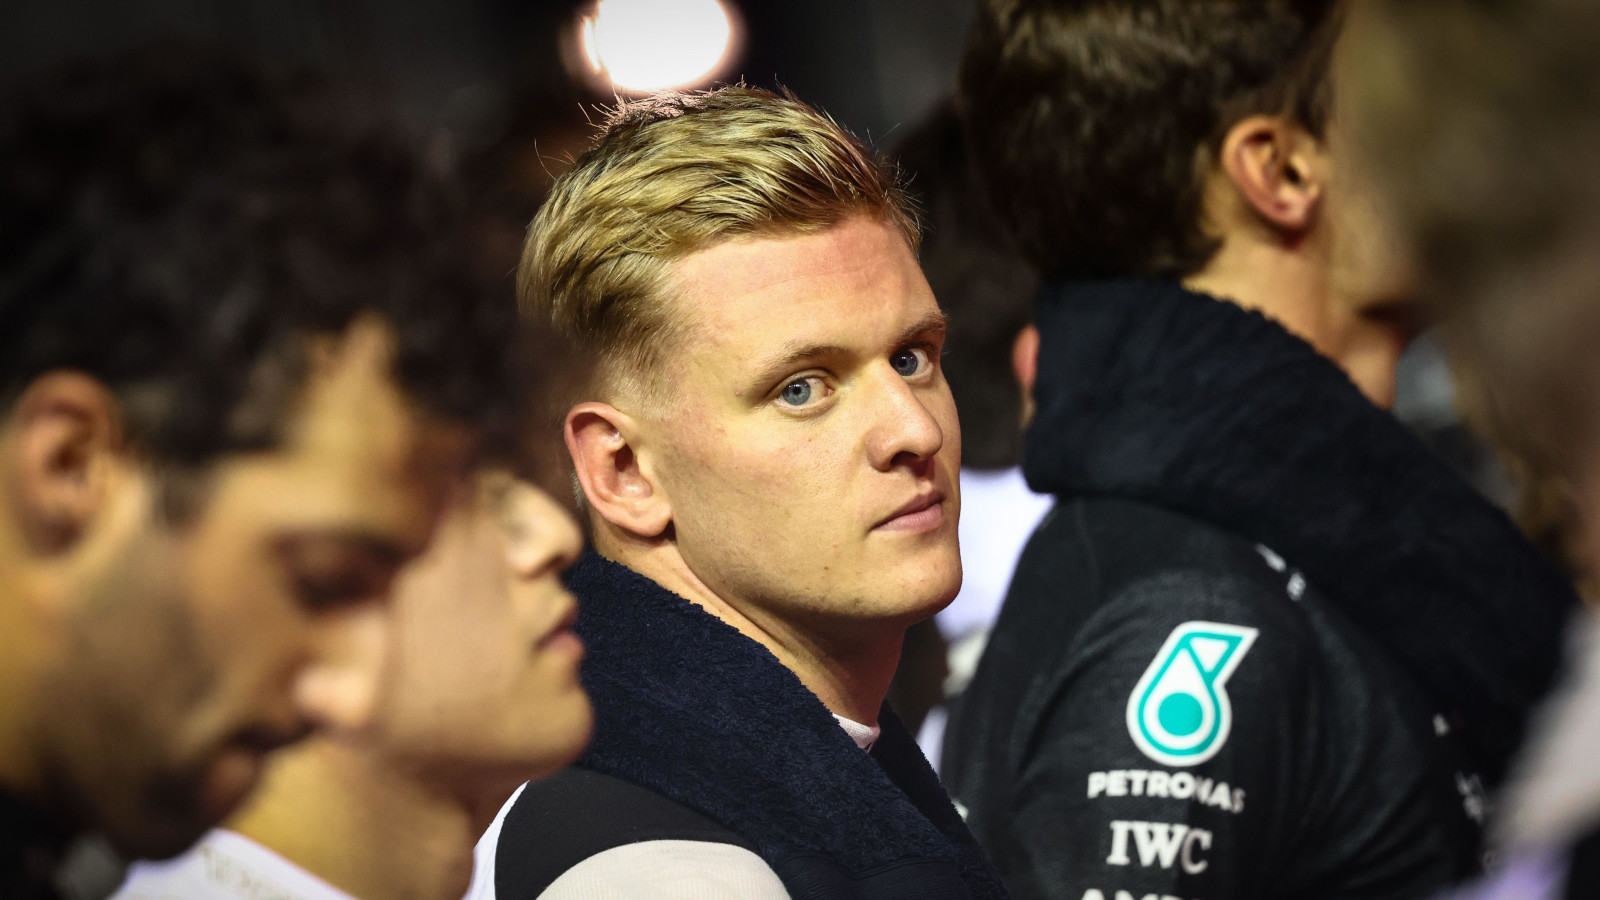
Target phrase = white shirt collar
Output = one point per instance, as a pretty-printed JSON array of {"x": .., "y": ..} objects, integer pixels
[
  {"x": 864, "y": 735},
  {"x": 226, "y": 866}
]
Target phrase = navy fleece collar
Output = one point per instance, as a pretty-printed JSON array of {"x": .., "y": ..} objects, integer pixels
[
  {"x": 691, "y": 708},
  {"x": 1154, "y": 393}
]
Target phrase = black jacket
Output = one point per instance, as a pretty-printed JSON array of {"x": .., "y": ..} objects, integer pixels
[
  {"x": 701, "y": 734},
  {"x": 1265, "y": 646}
]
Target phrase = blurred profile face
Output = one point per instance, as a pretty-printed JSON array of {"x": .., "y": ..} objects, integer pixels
[
  {"x": 193, "y": 645},
  {"x": 1381, "y": 313},
  {"x": 1372, "y": 273},
  {"x": 485, "y": 688},
  {"x": 808, "y": 442}
]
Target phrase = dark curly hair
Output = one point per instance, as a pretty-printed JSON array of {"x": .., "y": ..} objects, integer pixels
[
  {"x": 1095, "y": 121},
  {"x": 177, "y": 223}
]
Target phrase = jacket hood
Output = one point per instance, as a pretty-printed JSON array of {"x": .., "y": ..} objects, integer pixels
[{"x": 1150, "y": 392}]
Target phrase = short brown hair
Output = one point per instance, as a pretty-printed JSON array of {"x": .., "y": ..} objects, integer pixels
[
  {"x": 1094, "y": 120},
  {"x": 676, "y": 173},
  {"x": 175, "y": 221}
]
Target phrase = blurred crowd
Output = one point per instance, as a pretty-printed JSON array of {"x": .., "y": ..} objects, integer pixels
[{"x": 732, "y": 510}]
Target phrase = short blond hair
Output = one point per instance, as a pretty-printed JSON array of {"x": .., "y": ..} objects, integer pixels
[{"x": 676, "y": 173}]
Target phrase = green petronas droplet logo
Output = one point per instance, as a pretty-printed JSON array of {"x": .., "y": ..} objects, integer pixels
[{"x": 1179, "y": 714}]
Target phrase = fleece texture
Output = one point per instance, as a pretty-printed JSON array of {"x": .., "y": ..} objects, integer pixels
[
  {"x": 691, "y": 708},
  {"x": 1150, "y": 392}
]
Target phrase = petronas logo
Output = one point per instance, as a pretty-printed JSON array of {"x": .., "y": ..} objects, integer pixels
[{"x": 1179, "y": 713}]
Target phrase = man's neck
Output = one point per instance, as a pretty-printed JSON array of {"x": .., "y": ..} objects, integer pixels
[
  {"x": 22, "y": 648},
  {"x": 19, "y": 775},
  {"x": 850, "y": 675},
  {"x": 1289, "y": 286},
  {"x": 1297, "y": 288},
  {"x": 363, "y": 823}
]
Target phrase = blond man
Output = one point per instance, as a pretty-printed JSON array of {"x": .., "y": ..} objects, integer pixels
[{"x": 768, "y": 458}]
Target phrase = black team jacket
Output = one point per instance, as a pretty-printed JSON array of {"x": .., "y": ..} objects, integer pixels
[
  {"x": 701, "y": 734},
  {"x": 1265, "y": 645}
]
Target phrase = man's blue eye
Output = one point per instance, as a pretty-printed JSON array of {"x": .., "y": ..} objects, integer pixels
[
  {"x": 906, "y": 362},
  {"x": 796, "y": 393}
]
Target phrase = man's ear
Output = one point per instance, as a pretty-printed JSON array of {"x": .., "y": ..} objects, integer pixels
[
  {"x": 1025, "y": 357},
  {"x": 68, "y": 432},
  {"x": 1277, "y": 167},
  {"x": 1025, "y": 367},
  {"x": 617, "y": 483}
]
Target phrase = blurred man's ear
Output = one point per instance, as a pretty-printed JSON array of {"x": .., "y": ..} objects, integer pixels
[
  {"x": 67, "y": 437},
  {"x": 1025, "y": 357},
  {"x": 1025, "y": 367},
  {"x": 1278, "y": 169},
  {"x": 619, "y": 485}
]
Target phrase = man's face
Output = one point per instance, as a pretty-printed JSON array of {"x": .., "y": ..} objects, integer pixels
[
  {"x": 485, "y": 690},
  {"x": 808, "y": 442},
  {"x": 192, "y": 648},
  {"x": 1374, "y": 277},
  {"x": 1370, "y": 269}
]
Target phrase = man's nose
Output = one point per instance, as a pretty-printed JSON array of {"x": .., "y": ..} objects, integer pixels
[
  {"x": 546, "y": 539},
  {"x": 339, "y": 686},
  {"x": 905, "y": 431}
]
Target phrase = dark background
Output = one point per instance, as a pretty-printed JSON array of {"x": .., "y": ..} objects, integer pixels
[
  {"x": 479, "y": 69},
  {"x": 486, "y": 78}
]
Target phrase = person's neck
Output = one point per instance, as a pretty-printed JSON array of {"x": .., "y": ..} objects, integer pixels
[
  {"x": 19, "y": 773},
  {"x": 1288, "y": 284},
  {"x": 23, "y": 645},
  {"x": 849, "y": 668},
  {"x": 366, "y": 824}
]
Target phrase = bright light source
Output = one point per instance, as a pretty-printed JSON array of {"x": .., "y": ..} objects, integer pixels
[{"x": 653, "y": 45}]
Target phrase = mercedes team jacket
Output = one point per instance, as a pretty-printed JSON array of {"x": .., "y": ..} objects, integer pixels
[{"x": 1167, "y": 710}]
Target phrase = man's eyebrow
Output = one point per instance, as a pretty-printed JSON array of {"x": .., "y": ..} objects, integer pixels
[
  {"x": 934, "y": 324},
  {"x": 377, "y": 548},
  {"x": 790, "y": 357}
]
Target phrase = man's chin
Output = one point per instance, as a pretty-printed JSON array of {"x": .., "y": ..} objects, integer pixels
[
  {"x": 156, "y": 837},
  {"x": 931, "y": 584},
  {"x": 566, "y": 727},
  {"x": 228, "y": 782},
  {"x": 486, "y": 782},
  {"x": 179, "y": 810},
  {"x": 916, "y": 600}
]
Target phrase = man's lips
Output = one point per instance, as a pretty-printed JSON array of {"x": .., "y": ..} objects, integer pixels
[
  {"x": 236, "y": 769},
  {"x": 264, "y": 739},
  {"x": 562, "y": 627},
  {"x": 920, "y": 513}
]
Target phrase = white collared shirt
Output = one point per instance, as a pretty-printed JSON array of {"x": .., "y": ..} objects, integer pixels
[
  {"x": 864, "y": 735},
  {"x": 225, "y": 865}
]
